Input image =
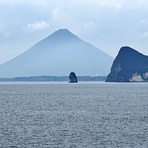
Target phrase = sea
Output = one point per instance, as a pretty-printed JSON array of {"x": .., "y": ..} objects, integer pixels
[{"x": 65, "y": 115}]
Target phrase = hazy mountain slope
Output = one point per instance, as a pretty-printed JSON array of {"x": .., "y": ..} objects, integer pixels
[{"x": 58, "y": 54}]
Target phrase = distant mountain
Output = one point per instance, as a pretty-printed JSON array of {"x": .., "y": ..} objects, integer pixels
[
  {"x": 129, "y": 66},
  {"x": 58, "y": 55}
]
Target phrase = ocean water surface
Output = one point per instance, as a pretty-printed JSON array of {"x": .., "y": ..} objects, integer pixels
[{"x": 83, "y": 115}]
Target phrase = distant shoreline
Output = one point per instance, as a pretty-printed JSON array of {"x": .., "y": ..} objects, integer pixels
[{"x": 51, "y": 79}]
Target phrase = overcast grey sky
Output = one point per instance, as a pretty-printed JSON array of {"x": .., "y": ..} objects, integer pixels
[{"x": 107, "y": 24}]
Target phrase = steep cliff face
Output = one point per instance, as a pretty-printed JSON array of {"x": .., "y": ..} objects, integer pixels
[{"x": 129, "y": 66}]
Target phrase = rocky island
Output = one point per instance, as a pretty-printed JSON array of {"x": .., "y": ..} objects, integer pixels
[
  {"x": 73, "y": 78},
  {"x": 129, "y": 66}
]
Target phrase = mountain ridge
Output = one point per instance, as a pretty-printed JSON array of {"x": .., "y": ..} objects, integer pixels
[{"x": 58, "y": 54}]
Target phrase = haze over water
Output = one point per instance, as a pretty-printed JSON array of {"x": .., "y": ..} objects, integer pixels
[{"x": 62, "y": 115}]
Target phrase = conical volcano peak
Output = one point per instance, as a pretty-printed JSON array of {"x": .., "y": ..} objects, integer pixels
[
  {"x": 63, "y": 34},
  {"x": 63, "y": 31}
]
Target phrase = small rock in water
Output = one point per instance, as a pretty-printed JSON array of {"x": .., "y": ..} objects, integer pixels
[{"x": 72, "y": 78}]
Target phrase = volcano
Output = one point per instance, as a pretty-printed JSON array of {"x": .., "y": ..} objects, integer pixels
[{"x": 57, "y": 55}]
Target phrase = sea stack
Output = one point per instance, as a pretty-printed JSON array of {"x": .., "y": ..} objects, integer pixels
[
  {"x": 73, "y": 78},
  {"x": 129, "y": 66}
]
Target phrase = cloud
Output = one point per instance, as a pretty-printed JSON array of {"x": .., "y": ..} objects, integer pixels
[
  {"x": 143, "y": 22},
  {"x": 37, "y": 26},
  {"x": 89, "y": 25},
  {"x": 145, "y": 34},
  {"x": 7, "y": 34},
  {"x": 56, "y": 13}
]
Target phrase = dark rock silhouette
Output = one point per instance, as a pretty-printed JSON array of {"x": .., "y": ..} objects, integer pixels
[
  {"x": 129, "y": 66},
  {"x": 72, "y": 78}
]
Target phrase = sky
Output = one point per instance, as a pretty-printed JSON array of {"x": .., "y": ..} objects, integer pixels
[{"x": 107, "y": 24}]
